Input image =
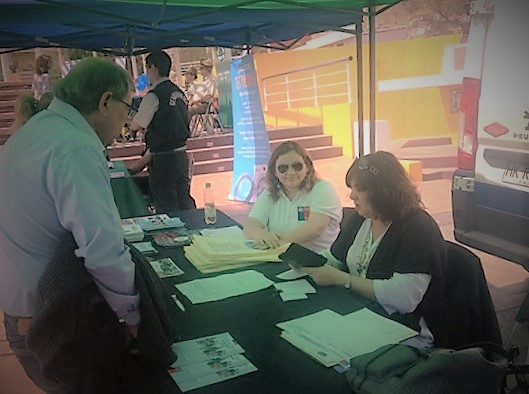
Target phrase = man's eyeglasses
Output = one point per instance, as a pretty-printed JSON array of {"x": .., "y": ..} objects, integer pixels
[
  {"x": 363, "y": 164},
  {"x": 282, "y": 168},
  {"x": 132, "y": 112}
]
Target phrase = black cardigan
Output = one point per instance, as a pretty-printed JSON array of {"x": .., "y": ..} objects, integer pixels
[
  {"x": 413, "y": 244},
  {"x": 79, "y": 342}
]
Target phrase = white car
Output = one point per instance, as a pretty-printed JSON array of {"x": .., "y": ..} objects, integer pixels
[{"x": 490, "y": 188}]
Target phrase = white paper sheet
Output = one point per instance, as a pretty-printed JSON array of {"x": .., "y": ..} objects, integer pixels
[
  {"x": 223, "y": 232},
  {"x": 291, "y": 275},
  {"x": 297, "y": 286},
  {"x": 223, "y": 286}
]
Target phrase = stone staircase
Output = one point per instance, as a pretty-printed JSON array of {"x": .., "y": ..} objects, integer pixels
[
  {"x": 436, "y": 154},
  {"x": 215, "y": 153},
  {"x": 9, "y": 91}
]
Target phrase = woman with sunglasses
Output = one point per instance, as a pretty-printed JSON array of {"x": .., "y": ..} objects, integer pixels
[
  {"x": 297, "y": 206},
  {"x": 389, "y": 249}
]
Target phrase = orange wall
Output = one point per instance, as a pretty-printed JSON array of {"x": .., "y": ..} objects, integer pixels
[{"x": 410, "y": 113}]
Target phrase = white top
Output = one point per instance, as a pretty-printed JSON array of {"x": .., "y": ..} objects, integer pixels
[
  {"x": 148, "y": 106},
  {"x": 54, "y": 179},
  {"x": 41, "y": 85},
  {"x": 401, "y": 293},
  {"x": 206, "y": 88},
  {"x": 285, "y": 215}
]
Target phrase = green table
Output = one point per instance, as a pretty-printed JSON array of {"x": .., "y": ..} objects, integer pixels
[{"x": 127, "y": 196}]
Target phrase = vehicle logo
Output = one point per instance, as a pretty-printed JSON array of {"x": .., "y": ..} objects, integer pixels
[{"x": 496, "y": 129}]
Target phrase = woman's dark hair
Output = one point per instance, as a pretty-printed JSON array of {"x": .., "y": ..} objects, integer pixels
[
  {"x": 160, "y": 60},
  {"x": 274, "y": 185},
  {"x": 391, "y": 193}
]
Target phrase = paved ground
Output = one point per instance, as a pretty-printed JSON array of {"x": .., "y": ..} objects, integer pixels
[{"x": 508, "y": 282}]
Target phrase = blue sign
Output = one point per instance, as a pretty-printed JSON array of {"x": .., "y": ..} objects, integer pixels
[{"x": 251, "y": 148}]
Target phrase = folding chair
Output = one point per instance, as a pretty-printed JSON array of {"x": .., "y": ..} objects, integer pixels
[{"x": 208, "y": 121}]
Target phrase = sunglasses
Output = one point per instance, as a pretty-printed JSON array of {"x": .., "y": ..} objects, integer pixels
[
  {"x": 282, "y": 168},
  {"x": 363, "y": 164},
  {"x": 132, "y": 112}
]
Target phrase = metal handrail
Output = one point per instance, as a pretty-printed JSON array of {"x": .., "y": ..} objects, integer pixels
[{"x": 287, "y": 82}]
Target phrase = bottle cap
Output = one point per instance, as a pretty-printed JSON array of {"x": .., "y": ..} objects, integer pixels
[{"x": 208, "y": 184}]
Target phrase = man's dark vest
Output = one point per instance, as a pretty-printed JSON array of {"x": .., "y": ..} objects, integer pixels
[{"x": 169, "y": 127}]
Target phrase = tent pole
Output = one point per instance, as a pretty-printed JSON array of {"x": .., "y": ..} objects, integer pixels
[
  {"x": 372, "y": 87},
  {"x": 359, "y": 89}
]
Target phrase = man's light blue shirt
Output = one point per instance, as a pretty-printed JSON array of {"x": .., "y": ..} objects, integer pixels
[{"x": 54, "y": 179}]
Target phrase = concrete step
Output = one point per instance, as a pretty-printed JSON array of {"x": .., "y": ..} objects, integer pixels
[
  {"x": 226, "y": 151},
  {"x": 226, "y": 164},
  {"x": 432, "y": 174},
  {"x": 438, "y": 156},
  {"x": 11, "y": 95},
  {"x": 8, "y": 107},
  {"x": 433, "y": 141},
  {"x": 123, "y": 149},
  {"x": 15, "y": 86},
  {"x": 293, "y": 131}
]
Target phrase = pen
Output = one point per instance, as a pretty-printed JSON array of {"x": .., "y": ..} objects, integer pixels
[{"x": 178, "y": 303}]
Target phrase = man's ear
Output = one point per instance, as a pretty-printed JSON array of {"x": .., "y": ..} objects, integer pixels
[{"x": 104, "y": 102}]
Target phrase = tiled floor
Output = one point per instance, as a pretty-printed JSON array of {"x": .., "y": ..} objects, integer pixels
[{"x": 508, "y": 282}]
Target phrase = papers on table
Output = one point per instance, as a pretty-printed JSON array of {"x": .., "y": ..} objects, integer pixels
[
  {"x": 296, "y": 290},
  {"x": 145, "y": 247},
  {"x": 166, "y": 267},
  {"x": 291, "y": 274},
  {"x": 331, "y": 338},
  {"x": 223, "y": 232},
  {"x": 208, "y": 360},
  {"x": 155, "y": 222},
  {"x": 223, "y": 286},
  {"x": 133, "y": 232},
  {"x": 214, "y": 254}
]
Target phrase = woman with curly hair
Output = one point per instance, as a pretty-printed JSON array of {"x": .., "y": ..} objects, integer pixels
[
  {"x": 389, "y": 249},
  {"x": 297, "y": 206}
]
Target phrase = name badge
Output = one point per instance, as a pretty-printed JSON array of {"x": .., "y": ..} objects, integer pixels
[{"x": 303, "y": 213}]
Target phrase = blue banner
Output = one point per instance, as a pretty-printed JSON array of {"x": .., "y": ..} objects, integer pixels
[{"x": 251, "y": 148}]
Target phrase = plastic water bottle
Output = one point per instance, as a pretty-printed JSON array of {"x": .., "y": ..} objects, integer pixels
[{"x": 210, "y": 212}]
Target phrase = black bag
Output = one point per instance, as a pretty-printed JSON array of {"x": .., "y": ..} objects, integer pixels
[{"x": 407, "y": 370}]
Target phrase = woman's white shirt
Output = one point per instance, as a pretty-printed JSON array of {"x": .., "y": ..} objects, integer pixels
[{"x": 285, "y": 215}]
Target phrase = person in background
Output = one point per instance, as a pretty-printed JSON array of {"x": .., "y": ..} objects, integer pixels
[
  {"x": 190, "y": 84},
  {"x": 163, "y": 112},
  {"x": 297, "y": 206},
  {"x": 390, "y": 250},
  {"x": 62, "y": 186},
  {"x": 205, "y": 91},
  {"x": 41, "y": 79},
  {"x": 27, "y": 106}
]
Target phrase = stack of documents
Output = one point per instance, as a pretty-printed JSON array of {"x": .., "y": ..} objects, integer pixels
[
  {"x": 133, "y": 232},
  {"x": 214, "y": 254},
  {"x": 332, "y": 339},
  {"x": 208, "y": 360},
  {"x": 154, "y": 222}
]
